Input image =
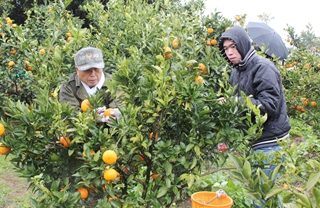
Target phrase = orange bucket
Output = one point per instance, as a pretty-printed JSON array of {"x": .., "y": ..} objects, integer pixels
[{"x": 198, "y": 200}]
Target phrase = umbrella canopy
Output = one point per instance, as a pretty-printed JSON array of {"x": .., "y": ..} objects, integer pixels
[{"x": 261, "y": 33}]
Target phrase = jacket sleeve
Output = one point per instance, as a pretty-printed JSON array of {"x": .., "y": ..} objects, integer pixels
[
  {"x": 66, "y": 96},
  {"x": 267, "y": 87}
]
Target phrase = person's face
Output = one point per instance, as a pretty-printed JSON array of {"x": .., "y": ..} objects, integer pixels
[
  {"x": 231, "y": 51},
  {"x": 90, "y": 77}
]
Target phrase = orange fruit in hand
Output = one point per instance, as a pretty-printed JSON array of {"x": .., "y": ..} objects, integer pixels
[
  {"x": 85, "y": 105},
  {"x": 109, "y": 157},
  {"x": 83, "y": 192},
  {"x": 109, "y": 112},
  {"x": 65, "y": 141},
  {"x": 2, "y": 129},
  {"x": 4, "y": 150},
  {"x": 110, "y": 174},
  {"x": 210, "y": 30}
]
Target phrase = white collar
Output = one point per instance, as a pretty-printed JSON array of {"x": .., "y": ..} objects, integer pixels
[{"x": 93, "y": 90}]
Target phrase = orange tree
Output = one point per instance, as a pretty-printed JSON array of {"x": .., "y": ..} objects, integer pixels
[
  {"x": 172, "y": 127},
  {"x": 301, "y": 76}
]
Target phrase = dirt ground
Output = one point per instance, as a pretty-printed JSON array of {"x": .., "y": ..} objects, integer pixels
[{"x": 19, "y": 187}]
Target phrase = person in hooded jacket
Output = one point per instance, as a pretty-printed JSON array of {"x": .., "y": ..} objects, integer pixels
[{"x": 259, "y": 78}]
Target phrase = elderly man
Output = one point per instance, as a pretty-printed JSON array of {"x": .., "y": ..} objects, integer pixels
[{"x": 87, "y": 80}]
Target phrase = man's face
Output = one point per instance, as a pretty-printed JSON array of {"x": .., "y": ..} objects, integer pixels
[
  {"x": 231, "y": 51},
  {"x": 90, "y": 77}
]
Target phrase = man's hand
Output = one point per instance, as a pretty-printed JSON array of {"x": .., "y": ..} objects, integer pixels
[
  {"x": 221, "y": 100},
  {"x": 113, "y": 113}
]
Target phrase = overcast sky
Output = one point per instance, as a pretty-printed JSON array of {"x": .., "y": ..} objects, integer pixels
[{"x": 294, "y": 13}]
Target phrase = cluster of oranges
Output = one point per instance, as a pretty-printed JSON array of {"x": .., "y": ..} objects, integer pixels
[
  {"x": 211, "y": 42},
  {"x": 305, "y": 102},
  {"x": 69, "y": 37},
  {"x": 110, "y": 157}
]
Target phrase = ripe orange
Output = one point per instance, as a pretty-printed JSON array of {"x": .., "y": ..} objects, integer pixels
[
  {"x": 199, "y": 79},
  {"x": 285, "y": 186},
  {"x": 214, "y": 42},
  {"x": 208, "y": 43},
  {"x": 313, "y": 104},
  {"x": 2, "y": 129},
  {"x": 126, "y": 170},
  {"x": 83, "y": 192},
  {"x": 65, "y": 141},
  {"x": 151, "y": 135},
  {"x": 168, "y": 55},
  {"x": 176, "y": 44},
  {"x": 141, "y": 158},
  {"x": 210, "y": 30},
  {"x": 9, "y": 22},
  {"x": 110, "y": 174},
  {"x": 91, "y": 153},
  {"x": 42, "y": 51},
  {"x": 4, "y": 150},
  {"x": 85, "y": 105},
  {"x": 167, "y": 49},
  {"x": 203, "y": 69},
  {"x": 109, "y": 112},
  {"x": 68, "y": 34},
  {"x": 69, "y": 39},
  {"x": 11, "y": 63},
  {"x": 109, "y": 157},
  {"x": 110, "y": 198},
  {"x": 154, "y": 176},
  {"x": 167, "y": 52}
]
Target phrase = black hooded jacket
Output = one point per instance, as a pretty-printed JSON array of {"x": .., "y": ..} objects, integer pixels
[{"x": 257, "y": 76}]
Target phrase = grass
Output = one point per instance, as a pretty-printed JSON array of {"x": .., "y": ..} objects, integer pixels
[{"x": 14, "y": 190}]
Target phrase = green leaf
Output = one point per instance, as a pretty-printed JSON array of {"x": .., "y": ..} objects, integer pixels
[
  {"x": 168, "y": 168},
  {"x": 237, "y": 176},
  {"x": 313, "y": 180},
  {"x": 162, "y": 191},
  {"x": 197, "y": 150},
  {"x": 246, "y": 172},
  {"x": 237, "y": 162},
  {"x": 304, "y": 199},
  {"x": 189, "y": 147},
  {"x": 287, "y": 198},
  {"x": 316, "y": 195},
  {"x": 274, "y": 191}
]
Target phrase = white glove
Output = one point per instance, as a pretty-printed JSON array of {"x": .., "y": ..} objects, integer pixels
[
  {"x": 221, "y": 100},
  {"x": 101, "y": 118},
  {"x": 116, "y": 113},
  {"x": 100, "y": 112}
]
